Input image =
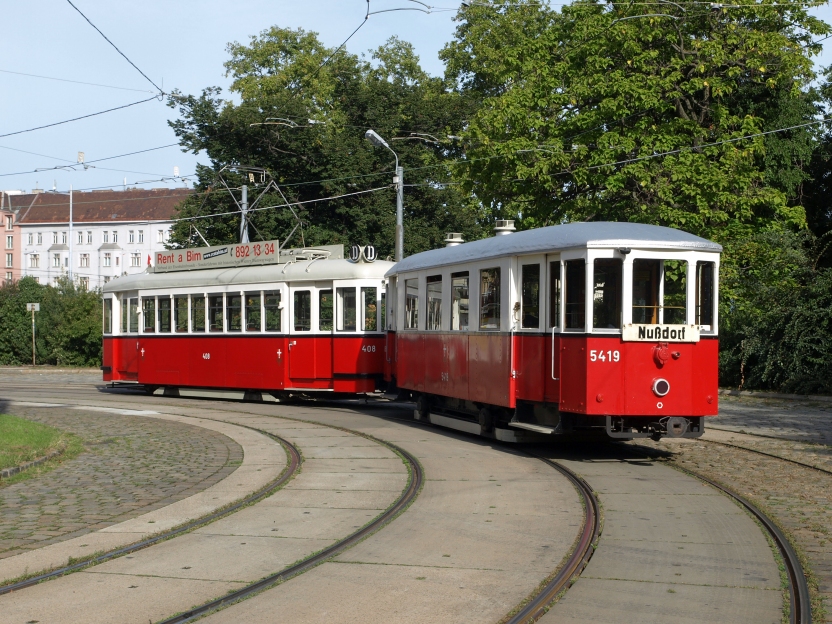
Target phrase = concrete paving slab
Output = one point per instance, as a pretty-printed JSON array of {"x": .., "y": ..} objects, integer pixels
[
  {"x": 592, "y": 600},
  {"x": 346, "y": 452},
  {"x": 400, "y": 594},
  {"x": 295, "y": 522},
  {"x": 658, "y": 526},
  {"x": 215, "y": 557},
  {"x": 348, "y": 481},
  {"x": 702, "y": 502},
  {"x": 342, "y": 499},
  {"x": 107, "y": 598},
  {"x": 383, "y": 465}
]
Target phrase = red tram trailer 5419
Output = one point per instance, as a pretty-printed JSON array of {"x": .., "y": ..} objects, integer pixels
[
  {"x": 580, "y": 326},
  {"x": 250, "y": 317}
]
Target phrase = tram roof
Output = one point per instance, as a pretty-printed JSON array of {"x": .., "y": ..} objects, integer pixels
[
  {"x": 299, "y": 271},
  {"x": 557, "y": 238}
]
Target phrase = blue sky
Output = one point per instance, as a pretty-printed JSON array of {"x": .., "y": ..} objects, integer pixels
[{"x": 178, "y": 45}]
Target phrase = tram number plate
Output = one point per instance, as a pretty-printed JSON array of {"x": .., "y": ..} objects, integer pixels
[
  {"x": 369, "y": 348},
  {"x": 604, "y": 356}
]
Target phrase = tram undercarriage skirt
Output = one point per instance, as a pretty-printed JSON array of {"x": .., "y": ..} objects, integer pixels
[{"x": 629, "y": 427}]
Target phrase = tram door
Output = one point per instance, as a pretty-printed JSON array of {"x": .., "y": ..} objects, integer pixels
[
  {"x": 553, "y": 325},
  {"x": 301, "y": 345}
]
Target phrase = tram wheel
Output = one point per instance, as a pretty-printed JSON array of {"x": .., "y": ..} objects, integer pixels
[
  {"x": 422, "y": 411},
  {"x": 150, "y": 389}
]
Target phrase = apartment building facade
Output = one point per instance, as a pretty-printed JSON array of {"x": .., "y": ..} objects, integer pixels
[
  {"x": 11, "y": 203},
  {"x": 113, "y": 233}
]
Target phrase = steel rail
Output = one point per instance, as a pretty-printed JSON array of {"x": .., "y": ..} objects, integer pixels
[
  {"x": 585, "y": 548},
  {"x": 772, "y": 455},
  {"x": 407, "y": 496},
  {"x": 287, "y": 473}
]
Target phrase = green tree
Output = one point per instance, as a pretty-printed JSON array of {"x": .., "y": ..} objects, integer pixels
[
  {"x": 611, "y": 111},
  {"x": 281, "y": 75}
]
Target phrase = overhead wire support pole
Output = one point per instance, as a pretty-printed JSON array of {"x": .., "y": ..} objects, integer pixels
[
  {"x": 244, "y": 216},
  {"x": 398, "y": 181},
  {"x": 70, "y": 233}
]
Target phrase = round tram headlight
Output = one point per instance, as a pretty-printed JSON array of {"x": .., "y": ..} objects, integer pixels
[{"x": 661, "y": 387}]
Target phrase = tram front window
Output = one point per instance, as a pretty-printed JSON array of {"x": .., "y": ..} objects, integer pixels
[
  {"x": 234, "y": 312},
  {"x": 325, "y": 310},
  {"x": 303, "y": 310},
  {"x": 197, "y": 313},
  {"x": 659, "y": 292},
  {"x": 215, "y": 310},
  {"x": 180, "y": 314},
  {"x": 149, "y": 314},
  {"x": 434, "y": 319},
  {"x": 164, "y": 315},
  {"x": 253, "y": 312},
  {"x": 575, "y": 306},
  {"x": 271, "y": 304},
  {"x": 369, "y": 298},
  {"x": 347, "y": 309},
  {"x": 606, "y": 294},
  {"x": 705, "y": 280}
]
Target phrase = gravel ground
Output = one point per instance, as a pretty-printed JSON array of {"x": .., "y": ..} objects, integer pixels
[
  {"x": 797, "y": 497},
  {"x": 131, "y": 465}
]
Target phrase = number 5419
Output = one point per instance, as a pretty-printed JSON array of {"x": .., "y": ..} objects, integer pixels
[{"x": 604, "y": 356}]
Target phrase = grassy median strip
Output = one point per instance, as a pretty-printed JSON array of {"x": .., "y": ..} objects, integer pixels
[{"x": 23, "y": 441}]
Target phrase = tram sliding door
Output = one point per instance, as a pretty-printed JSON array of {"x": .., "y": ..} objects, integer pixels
[{"x": 301, "y": 344}]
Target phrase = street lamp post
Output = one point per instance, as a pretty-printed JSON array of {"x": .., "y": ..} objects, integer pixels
[{"x": 373, "y": 137}]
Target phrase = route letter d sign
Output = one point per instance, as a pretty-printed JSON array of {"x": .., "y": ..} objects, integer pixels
[{"x": 33, "y": 307}]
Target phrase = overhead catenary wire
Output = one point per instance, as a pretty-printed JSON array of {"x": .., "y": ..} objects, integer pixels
[
  {"x": 90, "y": 84},
  {"x": 115, "y": 46}
]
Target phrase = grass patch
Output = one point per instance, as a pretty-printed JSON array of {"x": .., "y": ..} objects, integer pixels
[{"x": 23, "y": 441}]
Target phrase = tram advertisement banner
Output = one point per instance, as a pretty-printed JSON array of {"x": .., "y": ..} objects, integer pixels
[
  {"x": 219, "y": 257},
  {"x": 660, "y": 333}
]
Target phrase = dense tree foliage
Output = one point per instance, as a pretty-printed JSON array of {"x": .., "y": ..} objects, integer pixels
[
  {"x": 68, "y": 324},
  {"x": 311, "y": 117}
]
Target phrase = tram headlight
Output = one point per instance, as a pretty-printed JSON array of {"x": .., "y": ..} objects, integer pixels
[{"x": 661, "y": 387}]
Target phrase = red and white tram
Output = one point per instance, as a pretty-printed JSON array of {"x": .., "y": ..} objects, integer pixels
[
  {"x": 310, "y": 320},
  {"x": 578, "y": 326}
]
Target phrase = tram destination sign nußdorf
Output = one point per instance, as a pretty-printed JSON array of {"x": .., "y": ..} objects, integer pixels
[{"x": 219, "y": 257}]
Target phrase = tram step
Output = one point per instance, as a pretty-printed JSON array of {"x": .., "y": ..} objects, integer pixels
[{"x": 531, "y": 427}]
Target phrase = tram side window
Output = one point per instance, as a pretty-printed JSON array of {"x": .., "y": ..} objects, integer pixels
[
  {"x": 575, "y": 306},
  {"x": 234, "y": 312},
  {"x": 705, "y": 295},
  {"x": 530, "y": 295},
  {"x": 606, "y": 294},
  {"x": 303, "y": 310},
  {"x": 411, "y": 304},
  {"x": 674, "y": 306},
  {"x": 459, "y": 301},
  {"x": 326, "y": 311},
  {"x": 197, "y": 313},
  {"x": 490, "y": 299},
  {"x": 253, "y": 313},
  {"x": 347, "y": 309},
  {"x": 180, "y": 314},
  {"x": 124, "y": 311},
  {"x": 645, "y": 292},
  {"x": 554, "y": 294},
  {"x": 149, "y": 314},
  {"x": 164, "y": 315},
  {"x": 369, "y": 299},
  {"x": 271, "y": 304},
  {"x": 134, "y": 314},
  {"x": 434, "y": 319},
  {"x": 108, "y": 316},
  {"x": 215, "y": 310},
  {"x": 383, "y": 306}
]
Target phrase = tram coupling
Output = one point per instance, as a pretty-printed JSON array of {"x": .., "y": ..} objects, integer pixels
[{"x": 630, "y": 427}]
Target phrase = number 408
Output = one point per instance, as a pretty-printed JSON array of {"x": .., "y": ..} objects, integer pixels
[{"x": 604, "y": 356}]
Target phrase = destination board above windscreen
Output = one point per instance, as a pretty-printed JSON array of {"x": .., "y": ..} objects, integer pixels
[{"x": 218, "y": 257}]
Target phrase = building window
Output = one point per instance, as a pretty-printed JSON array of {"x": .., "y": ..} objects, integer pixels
[
  {"x": 37, "y": 280},
  {"x": 106, "y": 278},
  {"x": 63, "y": 238},
  {"x": 9, "y": 223},
  {"x": 30, "y": 238},
  {"x": 40, "y": 238},
  {"x": 106, "y": 237},
  {"x": 108, "y": 259},
  {"x": 54, "y": 238},
  {"x": 115, "y": 236},
  {"x": 80, "y": 238},
  {"x": 56, "y": 260},
  {"x": 117, "y": 260},
  {"x": 135, "y": 260},
  {"x": 160, "y": 236},
  {"x": 34, "y": 261},
  {"x": 85, "y": 260},
  {"x": 131, "y": 237},
  {"x": 141, "y": 236},
  {"x": 9, "y": 277},
  {"x": 85, "y": 283},
  {"x": 9, "y": 259},
  {"x": 89, "y": 238},
  {"x": 10, "y": 242}
]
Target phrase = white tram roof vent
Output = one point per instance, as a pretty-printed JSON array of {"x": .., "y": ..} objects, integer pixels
[
  {"x": 503, "y": 227},
  {"x": 452, "y": 239}
]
